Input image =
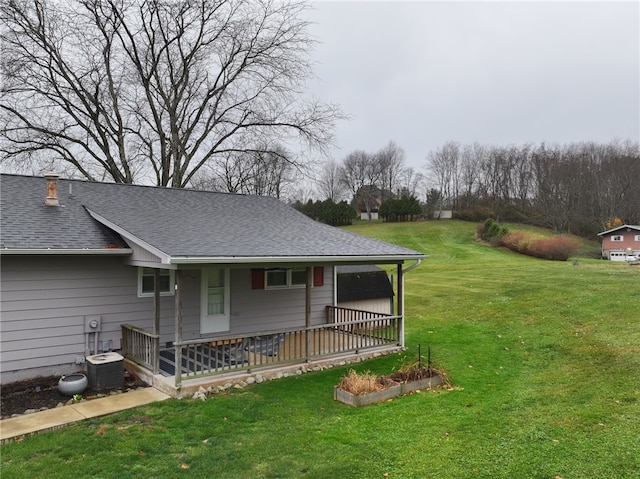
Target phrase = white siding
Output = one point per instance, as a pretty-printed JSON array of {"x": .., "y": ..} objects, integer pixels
[{"x": 380, "y": 305}]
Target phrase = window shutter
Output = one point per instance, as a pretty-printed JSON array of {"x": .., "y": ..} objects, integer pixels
[
  {"x": 257, "y": 279},
  {"x": 318, "y": 276}
]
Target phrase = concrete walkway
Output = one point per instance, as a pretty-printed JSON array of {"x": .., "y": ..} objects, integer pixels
[{"x": 56, "y": 418}]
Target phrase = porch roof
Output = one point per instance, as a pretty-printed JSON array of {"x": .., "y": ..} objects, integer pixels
[{"x": 179, "y": 226}]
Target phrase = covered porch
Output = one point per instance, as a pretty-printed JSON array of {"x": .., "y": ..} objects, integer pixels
[{"x": 347, "y": 331}]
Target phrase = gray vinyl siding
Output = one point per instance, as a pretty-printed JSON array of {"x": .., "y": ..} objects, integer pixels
[
  {"x": 43, "y": 304},
  {"x": 45, "y": 300},
  {"x": 269, "y": 309}
]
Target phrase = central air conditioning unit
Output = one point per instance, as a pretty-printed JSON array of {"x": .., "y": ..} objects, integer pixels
[{"x": 105, "y": 371}]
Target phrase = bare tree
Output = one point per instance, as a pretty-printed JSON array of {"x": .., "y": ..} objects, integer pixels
[
  {"x": 442, "y": 166},
  {"x": 391, "y": 162},
  {"x": 411, "y": 182},
  {"x": 268, "y": 171},
  {"x": 361, "y": 174},
  {"x": 329, "y": 182},
  {"x": 470, "y": 172},
  {"x": 154, "y": 90}
]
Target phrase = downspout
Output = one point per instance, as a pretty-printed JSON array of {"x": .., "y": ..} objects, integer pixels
[
  {"x": 413, "y": 266},
  {"x": 401, "y": 273}
]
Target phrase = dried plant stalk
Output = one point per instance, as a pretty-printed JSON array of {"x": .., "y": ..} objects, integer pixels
[{"x": 363, "y": 383}]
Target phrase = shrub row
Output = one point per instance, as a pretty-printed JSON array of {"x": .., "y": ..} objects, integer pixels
[
  {"x": 406, "y": 208},
  {"x": 328, "y": 211},
  {"x": 556, "y": 248}
]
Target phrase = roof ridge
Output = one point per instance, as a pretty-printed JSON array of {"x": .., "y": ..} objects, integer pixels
[{"x": 155, "y": 187}]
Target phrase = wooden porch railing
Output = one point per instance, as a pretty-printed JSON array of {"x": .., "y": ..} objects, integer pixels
[
  {"x": 141, "y": 347},
  {"x": 346, "y": 331}
]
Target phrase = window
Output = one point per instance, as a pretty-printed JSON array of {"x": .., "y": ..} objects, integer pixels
[
  {"x": 215, "y": 292},
  {"x": 285, "y": 278},
  {"x": 617, "y": 238},
  {"x": 282, "y": 278},
  {"x": 298, "y": 277},
  {"x": 146, "y": 280},
  {"x": 637, "y": 238},
  {"x": 276, "y": 278}
]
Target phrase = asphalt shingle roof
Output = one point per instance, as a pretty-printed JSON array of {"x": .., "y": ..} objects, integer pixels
[
  {"x": 27, "y": 223},
  {"x": 178, "y": 222}
]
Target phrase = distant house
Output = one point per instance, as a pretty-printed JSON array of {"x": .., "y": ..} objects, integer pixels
[
  {"x": 184, "y": 284},
  {"x": 371, "y": 215},
  {"x": 443, "y": 214},
  {"x": 368, "y": 199},
  {"x": 364, "y": 287},
  {"x": 620, "y": 243}
]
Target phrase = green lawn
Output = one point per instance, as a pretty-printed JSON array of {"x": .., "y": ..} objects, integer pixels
[{"x": 544, "y": 358}]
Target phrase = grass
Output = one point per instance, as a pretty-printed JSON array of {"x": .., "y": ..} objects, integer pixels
[{"x": 544, "y": 357}]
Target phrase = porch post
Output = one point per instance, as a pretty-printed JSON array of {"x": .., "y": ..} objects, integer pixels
[
  {"x": 400, "y": 313},
  {"x": 307, "y": 311},
  {"x": 156, "y": 317},
  {"x": 178, "y": 324},
  {"x": 156, "y": 301}
]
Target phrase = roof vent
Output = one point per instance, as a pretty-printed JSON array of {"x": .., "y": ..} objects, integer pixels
[{"x": 52, "y": 189}]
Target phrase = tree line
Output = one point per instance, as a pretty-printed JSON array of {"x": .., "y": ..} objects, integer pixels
[
  {"x": 576, "y": 188},
  {"x": 579, "y": 188}
]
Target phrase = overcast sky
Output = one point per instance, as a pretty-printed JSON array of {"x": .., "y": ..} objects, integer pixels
[{"x": 423, "y": 73}]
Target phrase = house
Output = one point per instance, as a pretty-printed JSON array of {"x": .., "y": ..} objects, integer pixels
[
  {"x": 442, "y": 214},
  {"x": 184, "y": 284},
  {"x": 364, "y": 287},
  {"x": 621, "y": 242},
  {"x": 368, "y": 200}
]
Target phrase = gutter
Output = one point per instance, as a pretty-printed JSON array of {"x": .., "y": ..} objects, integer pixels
[
  {"x": 85, "y": 251},
  {"x": 297, "y": 259}
]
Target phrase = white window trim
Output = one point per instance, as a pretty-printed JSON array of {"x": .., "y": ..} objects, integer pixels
[
  {"x": 150, "y": 294},
  {"x": 289, "y": 284},
  {"x": 637, "y": 238},
  {"x": 617, "y": 239}
]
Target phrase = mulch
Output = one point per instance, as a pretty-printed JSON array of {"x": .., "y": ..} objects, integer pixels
[
  {"x": 413, "y": 374},
  {"x": 42, "y": 392}
]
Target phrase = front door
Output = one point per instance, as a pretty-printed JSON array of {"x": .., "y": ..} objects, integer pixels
[{"x": 214, "y": 315}]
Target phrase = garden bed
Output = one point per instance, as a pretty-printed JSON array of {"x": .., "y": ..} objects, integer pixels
[
  {"x": 364, "y": 389},
  {"x": 42, "y": 393}
]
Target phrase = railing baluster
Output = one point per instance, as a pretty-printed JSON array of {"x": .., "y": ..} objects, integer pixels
[{"x": 346, "y": 330}]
